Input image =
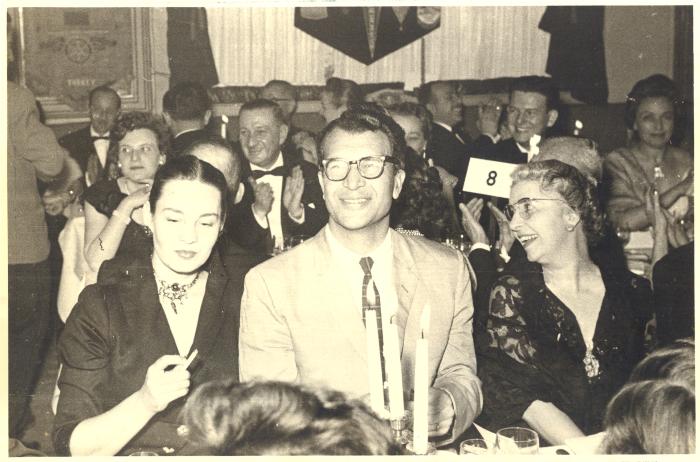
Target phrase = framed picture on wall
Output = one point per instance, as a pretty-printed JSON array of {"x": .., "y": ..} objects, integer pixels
[{"x": 65, "y": 52}]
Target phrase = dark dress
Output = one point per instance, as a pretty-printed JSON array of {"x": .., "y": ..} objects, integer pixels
[
  {"x": 533, "y": 348},
  {"x": 118, "y": 329},
  {"x": 105, "y": 196}
]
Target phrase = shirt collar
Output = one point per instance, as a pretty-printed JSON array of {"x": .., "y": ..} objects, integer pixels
[
  {"x": 445, "y": 126},
  {"x": 278, "y": 163},
  {"x": 185, "y": 131},
  {"x": 94, "y": 133},
  {"x": 382, "y": 254}
]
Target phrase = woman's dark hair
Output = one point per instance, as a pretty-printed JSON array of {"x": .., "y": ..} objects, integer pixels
[
  {"x": 421, "y": 205},
  {"x": 128, "y": 122},
  {"x": 578, "y": 192},
  {"x": 192, "y": 169},
  {"x": 280, "y": 418},
  {"x": 651, "y": 417},
  {"x": 654, "y": 86}
]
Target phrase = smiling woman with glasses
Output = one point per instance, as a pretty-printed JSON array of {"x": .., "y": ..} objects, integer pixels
[
  {"x": 113, "y": 218},
  {"x": 563, "y": 333}
]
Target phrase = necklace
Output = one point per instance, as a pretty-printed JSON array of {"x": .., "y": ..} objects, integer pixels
[{"x": 175, "y": 292}]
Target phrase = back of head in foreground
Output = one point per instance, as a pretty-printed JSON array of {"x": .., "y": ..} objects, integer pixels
[
  {"x": 279, "y": 418},
  {"x": 655, "y": 412}
]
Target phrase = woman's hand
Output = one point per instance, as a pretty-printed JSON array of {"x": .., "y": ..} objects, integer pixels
[
  {"x": 471, "y": 212},
  {"x": 135, "y": 200},
  {"x": 161, "y": 387},
  {"x": 506, "y": 236}
]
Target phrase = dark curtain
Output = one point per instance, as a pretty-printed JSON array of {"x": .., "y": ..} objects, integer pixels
[
  {"x": 189, "y": 49},
  {"x": 576, "y": 51}
]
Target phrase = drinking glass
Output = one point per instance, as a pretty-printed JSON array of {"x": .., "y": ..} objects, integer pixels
[
  {"x": 474, "y": 446},
  {"x": 143, "y": 453},
  {"x": 292, "y": 241},
  {"x": 517, "y": 440}
]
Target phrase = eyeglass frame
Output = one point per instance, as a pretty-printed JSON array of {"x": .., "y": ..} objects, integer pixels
[
  {"x": 127, "y": 150},
  {"x": 510, "y": 209},
  {"x": 349, "y": 163}
]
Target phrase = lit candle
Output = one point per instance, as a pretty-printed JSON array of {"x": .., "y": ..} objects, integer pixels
[
  {"x": 374, "y": 365},
  {"x": 392, "y": 358},
  {"x": 421, "y": 385},
  {"x": 224, "y": 122}
]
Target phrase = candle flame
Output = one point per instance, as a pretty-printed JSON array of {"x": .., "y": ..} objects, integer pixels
[{"x": 224, "y": 119}]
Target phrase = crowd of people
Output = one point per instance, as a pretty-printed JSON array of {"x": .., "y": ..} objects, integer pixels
[{"x": 196, "y": 328}]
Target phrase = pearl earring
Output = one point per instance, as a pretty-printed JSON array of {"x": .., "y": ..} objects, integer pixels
[
  {"x": 569, "y": 228},
  {"x": 119, "y": 164}
]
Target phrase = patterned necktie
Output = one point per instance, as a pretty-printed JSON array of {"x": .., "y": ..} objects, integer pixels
[{"x": 374, "y": 305}]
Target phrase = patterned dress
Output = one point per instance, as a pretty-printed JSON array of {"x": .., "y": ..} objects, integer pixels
[{"x": 533, "y": 349}]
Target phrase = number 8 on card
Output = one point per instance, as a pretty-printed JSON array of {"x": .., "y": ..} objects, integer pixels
[{"x": 488, "y": 177}]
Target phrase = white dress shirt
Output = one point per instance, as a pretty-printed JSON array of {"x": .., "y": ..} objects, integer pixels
[
  {"x": 101, "y": 146},
  {"x": 274, "y": 218}
]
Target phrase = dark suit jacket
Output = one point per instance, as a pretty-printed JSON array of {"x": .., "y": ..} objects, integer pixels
[
  {"x": 504, "y": 151},
  {"x": 118, "y": 329},
  {"x": 245, "y": 230},
  {"x": 80, "y": 146},
  {"x": 184, "y": 140},
  {"x": 448, "y": 152},
  {"x": 674, "y": 295}
]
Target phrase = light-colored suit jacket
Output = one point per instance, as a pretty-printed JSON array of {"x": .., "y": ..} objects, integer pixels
[{"x": 299, "y": 323}]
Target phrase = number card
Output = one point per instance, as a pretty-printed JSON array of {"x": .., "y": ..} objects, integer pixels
[{"x": 488, "y": 177}]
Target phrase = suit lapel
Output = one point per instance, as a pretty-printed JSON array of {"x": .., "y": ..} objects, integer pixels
[
  {"x": 143, "y": 310},
  {"x": 413, "y": 298},
  {"x": 211, "y": 313}
]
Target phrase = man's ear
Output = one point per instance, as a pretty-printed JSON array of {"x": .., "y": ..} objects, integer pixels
[
  {"x": 284, "y": 131},
  {"x": 147, "y": 215},
  {"x": 320, "y": 181},
  {"x": 239, "y": 194},
  {"x": 207, "y": 116},
  {"x": 399, "y": 178},
  {"x": 552, "y": 116},
  {"x": 168, "y": 120}
]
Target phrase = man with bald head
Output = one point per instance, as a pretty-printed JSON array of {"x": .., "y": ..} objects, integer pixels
[{"x": 89, "y": 145}]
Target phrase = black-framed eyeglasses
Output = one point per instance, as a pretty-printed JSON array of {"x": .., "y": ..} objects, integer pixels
[
  {"x": 524, "y": 207},
  {"x": 369, "y": 167}
]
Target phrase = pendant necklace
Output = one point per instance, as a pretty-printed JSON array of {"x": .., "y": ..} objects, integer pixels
[{"x": 175, "y": 292}]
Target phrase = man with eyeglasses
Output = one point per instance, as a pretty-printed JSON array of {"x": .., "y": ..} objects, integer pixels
[
  {"x": 304, "y": 313},
  {"x": 282, "y": 197}
]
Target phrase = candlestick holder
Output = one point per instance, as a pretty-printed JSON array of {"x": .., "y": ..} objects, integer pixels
[{"x": 399, "y": 430}]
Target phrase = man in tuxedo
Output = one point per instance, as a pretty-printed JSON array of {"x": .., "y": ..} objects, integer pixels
[
  {"x": 283, "y": 197},
  {"x": 445, "y": 147},
  {"x": 186, "y": 109},
  {"x": 89, "y": 145},
  {"x": 533, "y": 108},
  {"x": 303, "y": 312},
  {"x": 298, "y": 142}
]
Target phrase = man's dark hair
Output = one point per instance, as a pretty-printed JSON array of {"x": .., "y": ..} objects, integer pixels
[
  {"x": 344, "y": 91},
  {"x": 425, "y": 91},
  {"x": 186, "y": 101},
  {"x": 107, "y": 91},
  {"x": 368, "y": 117},
  {"x": 260, "y": 103},
  {"x": 282, "y": 83},
  {"x": 545, "y": 86}
]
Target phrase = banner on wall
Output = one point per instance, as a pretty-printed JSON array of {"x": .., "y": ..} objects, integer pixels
[{"x": 367, "y": 34}]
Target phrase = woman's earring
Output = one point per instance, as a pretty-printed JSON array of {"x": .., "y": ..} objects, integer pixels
[
  {"x": 119, "y": 164},
  {"x": 161, "y": 161},
  {"x": 569, "y": 228}
]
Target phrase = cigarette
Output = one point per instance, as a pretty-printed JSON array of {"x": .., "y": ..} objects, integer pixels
[{"x": 190, "y": 359}]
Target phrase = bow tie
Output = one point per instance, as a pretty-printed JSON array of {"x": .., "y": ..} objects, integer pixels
[
  {"x": 97, "y": 138},
  {"x": 278, "y": 171}
]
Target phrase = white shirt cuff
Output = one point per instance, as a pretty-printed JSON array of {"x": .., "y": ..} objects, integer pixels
[
  {"x": 504, "y": 255},
  {"x": 301, "y": 218},
  {"x": 479, "y": 245}
]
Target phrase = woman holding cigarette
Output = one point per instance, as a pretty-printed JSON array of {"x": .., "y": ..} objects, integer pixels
[{"x": 128, "y": 344}]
